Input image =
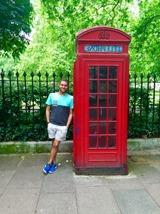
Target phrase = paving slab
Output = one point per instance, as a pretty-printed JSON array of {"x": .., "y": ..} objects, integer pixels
[
  {"x": 125, "y": 184},
  {"x": 137, "y": 168},
  {"x": 1, "y": 191},
  {"x": 18, "y": 201},
  {"x": 154, "y": 191},
  {"x": 135, "y": 202},
  {"x": 5, "y": 177},
  {"x": 148, "y": 174},
  {"x": 61, "y": 181},
  {"x": 96, "y": 199},
  {"x": 27, "y": 178},
  {"x": 9, "y": 162},
  {"x": 34, "y": 160},
  {"x": 59, "y": 203},
  {"x": 155, "y": 163},
  {"x": 25, "y": 189},
  {"x": 89, "y": 181}
]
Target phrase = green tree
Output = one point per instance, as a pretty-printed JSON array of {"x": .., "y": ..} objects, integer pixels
[
  {"x": 145, "y": 51},
  {"x": 55, "y": 27},
  {"x": 14, "y": 25}
]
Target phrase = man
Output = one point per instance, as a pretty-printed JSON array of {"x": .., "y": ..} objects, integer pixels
[{"x": 59, "y": 113}]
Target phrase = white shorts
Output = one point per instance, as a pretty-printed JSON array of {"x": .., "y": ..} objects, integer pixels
[{"x": 57, "y": 132}]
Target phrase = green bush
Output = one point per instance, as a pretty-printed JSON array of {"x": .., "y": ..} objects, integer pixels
[
  {"x": 143, "y": 118},
  {"x": 23, "y": 115}
]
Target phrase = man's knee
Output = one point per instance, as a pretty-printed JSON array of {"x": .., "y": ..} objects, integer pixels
[{"x": 55, "y": 144}]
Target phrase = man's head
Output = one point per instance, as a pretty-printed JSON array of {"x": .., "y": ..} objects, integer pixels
[{"x": 63, "y": 86}]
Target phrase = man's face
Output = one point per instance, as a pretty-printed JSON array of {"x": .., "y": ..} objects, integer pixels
[{"x": 63, "y": 87}]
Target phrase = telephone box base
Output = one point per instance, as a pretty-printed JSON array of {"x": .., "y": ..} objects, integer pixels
[{"x": 102, "y": 171}]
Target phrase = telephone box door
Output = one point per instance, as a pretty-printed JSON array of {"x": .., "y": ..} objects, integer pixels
[{"x": 103, "y": 115}]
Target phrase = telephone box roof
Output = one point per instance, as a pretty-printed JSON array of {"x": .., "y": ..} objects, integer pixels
[{"x": 106, "y": 33}]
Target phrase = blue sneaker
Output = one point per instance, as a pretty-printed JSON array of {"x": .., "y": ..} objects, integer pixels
[
  {"x": 46, "y": 168},
  {"x": 52, "y": 168}
]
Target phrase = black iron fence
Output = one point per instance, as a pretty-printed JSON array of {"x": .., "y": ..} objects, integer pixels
[
  {"x": 23, "y": 97},
  {"x": 22, "y": 104},
  {"x": 144, "y": 106}
]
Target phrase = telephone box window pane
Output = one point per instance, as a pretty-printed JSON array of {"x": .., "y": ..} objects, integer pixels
[
  {"x": 102, "y": 86},
  {"x": 112, "y": 114},
  {"x": 112, "y": 86},
  {"x": 112, "y": 128},
  {"x": 102, "y": 113},
  {"x": 102, "y": 101},
  {"x": 112, "y": 72},
  {"x": 112, "y": 101},
  {"x": 111, "y": 141},
  {"x": 93, "y": 86},
  {"x": 93, "y": 114},
  {"x": 92, "y": 141},
  {"x": 92, "y": 128},
  {"x": 102, "y": 128},
  {"x": 93, "y": 72},
  {"x": 102, "y": 141},
  {"x": 103, "y": 72},
  {"x": 93, "y": 100}
]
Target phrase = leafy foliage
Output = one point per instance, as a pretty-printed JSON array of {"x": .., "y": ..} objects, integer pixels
[
  {"x": 145, "y": 50},
  {"x": 14, "y": 25},
  {"x": 56, "y": 25}
]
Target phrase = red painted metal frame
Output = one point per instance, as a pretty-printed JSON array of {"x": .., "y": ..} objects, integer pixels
[{"x": 85, "y": 157}]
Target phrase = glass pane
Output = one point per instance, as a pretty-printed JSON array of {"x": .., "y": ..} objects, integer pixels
[
  {"x": 102, "y": 141},
  {"x": 112, "y": 114},
  {"x": 92, "y": 141},
  {"x": 93, "y": 72},
  {"x": 93, "y": 86},
  {"x": 102, "y": 101},
  {"x": 103, "y": 72},
  {"x": 112, "y": 101},
  {"x": 111, "y": 141},
  {"x": 112, "y": 72},
  {"x": 102, "y": 128},
  {"x": 102, "y": 113},
  {"x": 112, "y": 86},
  {"x": 93, "y": 100},
  {"x": 112, "y": 128},
  {"x": 93, "y": 128},
  {"x": 93, "y": 113},
  {"x": 102, "y": 86}
]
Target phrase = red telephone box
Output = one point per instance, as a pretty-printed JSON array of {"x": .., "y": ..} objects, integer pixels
[{"x": 101, "y": 74}]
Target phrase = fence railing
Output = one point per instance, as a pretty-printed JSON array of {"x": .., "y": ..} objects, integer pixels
[
  {"x": 22, "y": 104},
  {"x": 23, "y": 97},
  {"x": 144, "y": 106}
]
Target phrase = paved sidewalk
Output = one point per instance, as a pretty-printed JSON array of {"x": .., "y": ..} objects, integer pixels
[{"x": 25, "y": 190}]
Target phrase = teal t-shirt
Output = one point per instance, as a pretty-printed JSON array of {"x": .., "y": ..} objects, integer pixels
[{"x": 60, "y": 107}]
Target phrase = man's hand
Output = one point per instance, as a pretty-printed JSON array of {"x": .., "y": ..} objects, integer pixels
[{"x": 69, "y": 118}]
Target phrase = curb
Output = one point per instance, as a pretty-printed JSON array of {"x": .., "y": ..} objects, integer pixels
[
  {"x": 139, "y": 146},
  {"x": 32, "y": 147}
]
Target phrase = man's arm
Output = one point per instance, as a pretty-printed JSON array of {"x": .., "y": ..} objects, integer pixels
[
  {"x": 70, "y": 117},
  {"x": 48, "y": 114}
]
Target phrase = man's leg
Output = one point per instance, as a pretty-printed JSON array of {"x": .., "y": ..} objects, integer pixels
[{"x": 54, "y": 150}]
